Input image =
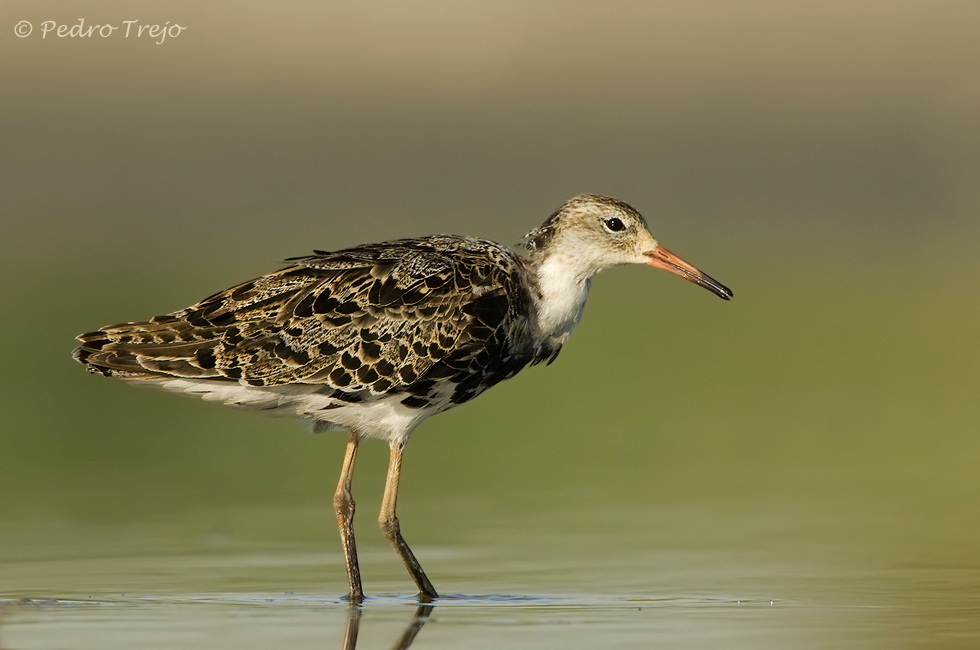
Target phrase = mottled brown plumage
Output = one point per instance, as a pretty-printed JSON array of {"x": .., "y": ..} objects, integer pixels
[
  {"x": 378, "y": 337},
  {"x": 402, "y": 319}
]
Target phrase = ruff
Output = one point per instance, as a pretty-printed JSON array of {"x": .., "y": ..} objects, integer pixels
[{"x": 376, "y": 338}]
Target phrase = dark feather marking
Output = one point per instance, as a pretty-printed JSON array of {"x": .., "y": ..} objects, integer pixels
[
  {"x": 304, "y": 309},
  {"x": 243, "y": 291},
  {"x": 349, "y": 361},
  {"x": 205, "y": 358},
  {"x": 339, "y": 377},
  {"x": 370, "y": 351},
  {"x": 367, "y": 374},
  {"x": 415, "y": 402},
  {"x": 421, "y": 388}
]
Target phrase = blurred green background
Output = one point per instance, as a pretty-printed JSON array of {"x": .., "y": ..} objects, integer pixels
[{"x": 819, "y": 158}]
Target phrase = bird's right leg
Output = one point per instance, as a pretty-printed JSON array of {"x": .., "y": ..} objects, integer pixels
[{"x": 343, "y": 503}]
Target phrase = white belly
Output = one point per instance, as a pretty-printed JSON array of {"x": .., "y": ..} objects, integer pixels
[{"x": 385, "y": 417}]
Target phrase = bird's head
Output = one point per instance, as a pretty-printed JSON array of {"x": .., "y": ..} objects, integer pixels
[{"x": 597, "y": 232}]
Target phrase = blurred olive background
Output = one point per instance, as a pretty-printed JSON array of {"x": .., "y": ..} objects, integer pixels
[{"x": 820, "y": 158}]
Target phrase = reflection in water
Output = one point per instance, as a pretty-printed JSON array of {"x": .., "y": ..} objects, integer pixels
[
  {"x": 353, "y": 624},
  {"x": 407, "y": 637},
  {"x": 421, "y": 616}
]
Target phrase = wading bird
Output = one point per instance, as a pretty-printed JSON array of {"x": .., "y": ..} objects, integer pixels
[{"x": 376, "y": 338}]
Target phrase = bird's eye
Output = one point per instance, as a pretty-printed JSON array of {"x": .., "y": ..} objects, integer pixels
[{"x": 614, "y": 225}]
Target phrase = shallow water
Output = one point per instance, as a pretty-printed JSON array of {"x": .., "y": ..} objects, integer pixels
[
  {"x": 192, "y": 583},
  {"x": 261, "y": 620}
]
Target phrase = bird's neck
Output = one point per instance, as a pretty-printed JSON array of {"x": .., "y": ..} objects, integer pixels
[{"x": 562, "y": 285}]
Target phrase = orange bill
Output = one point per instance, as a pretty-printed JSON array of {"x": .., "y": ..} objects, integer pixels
[{"x": 662, "y": 258}]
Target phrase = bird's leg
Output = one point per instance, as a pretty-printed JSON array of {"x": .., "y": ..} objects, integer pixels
[
  {"x": 343, "y": 504},
  {"x": 389, "y": 524}
]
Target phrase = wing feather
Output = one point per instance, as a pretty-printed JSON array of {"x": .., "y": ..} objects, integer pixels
[{"x": 397, "y": 317}]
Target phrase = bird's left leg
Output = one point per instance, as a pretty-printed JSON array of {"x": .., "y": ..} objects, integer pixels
[{"x": 391, "y": 529}]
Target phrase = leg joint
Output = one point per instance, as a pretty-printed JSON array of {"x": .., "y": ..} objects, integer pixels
[
  {"x": 389, "y": 526},
  {"x": 343, "y": 503}
]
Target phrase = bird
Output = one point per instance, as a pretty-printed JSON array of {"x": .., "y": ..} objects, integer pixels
[{"x": 376, "y": 338}]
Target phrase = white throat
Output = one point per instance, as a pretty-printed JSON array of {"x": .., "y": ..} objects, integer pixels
[{"x": 563, "y": 293}]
